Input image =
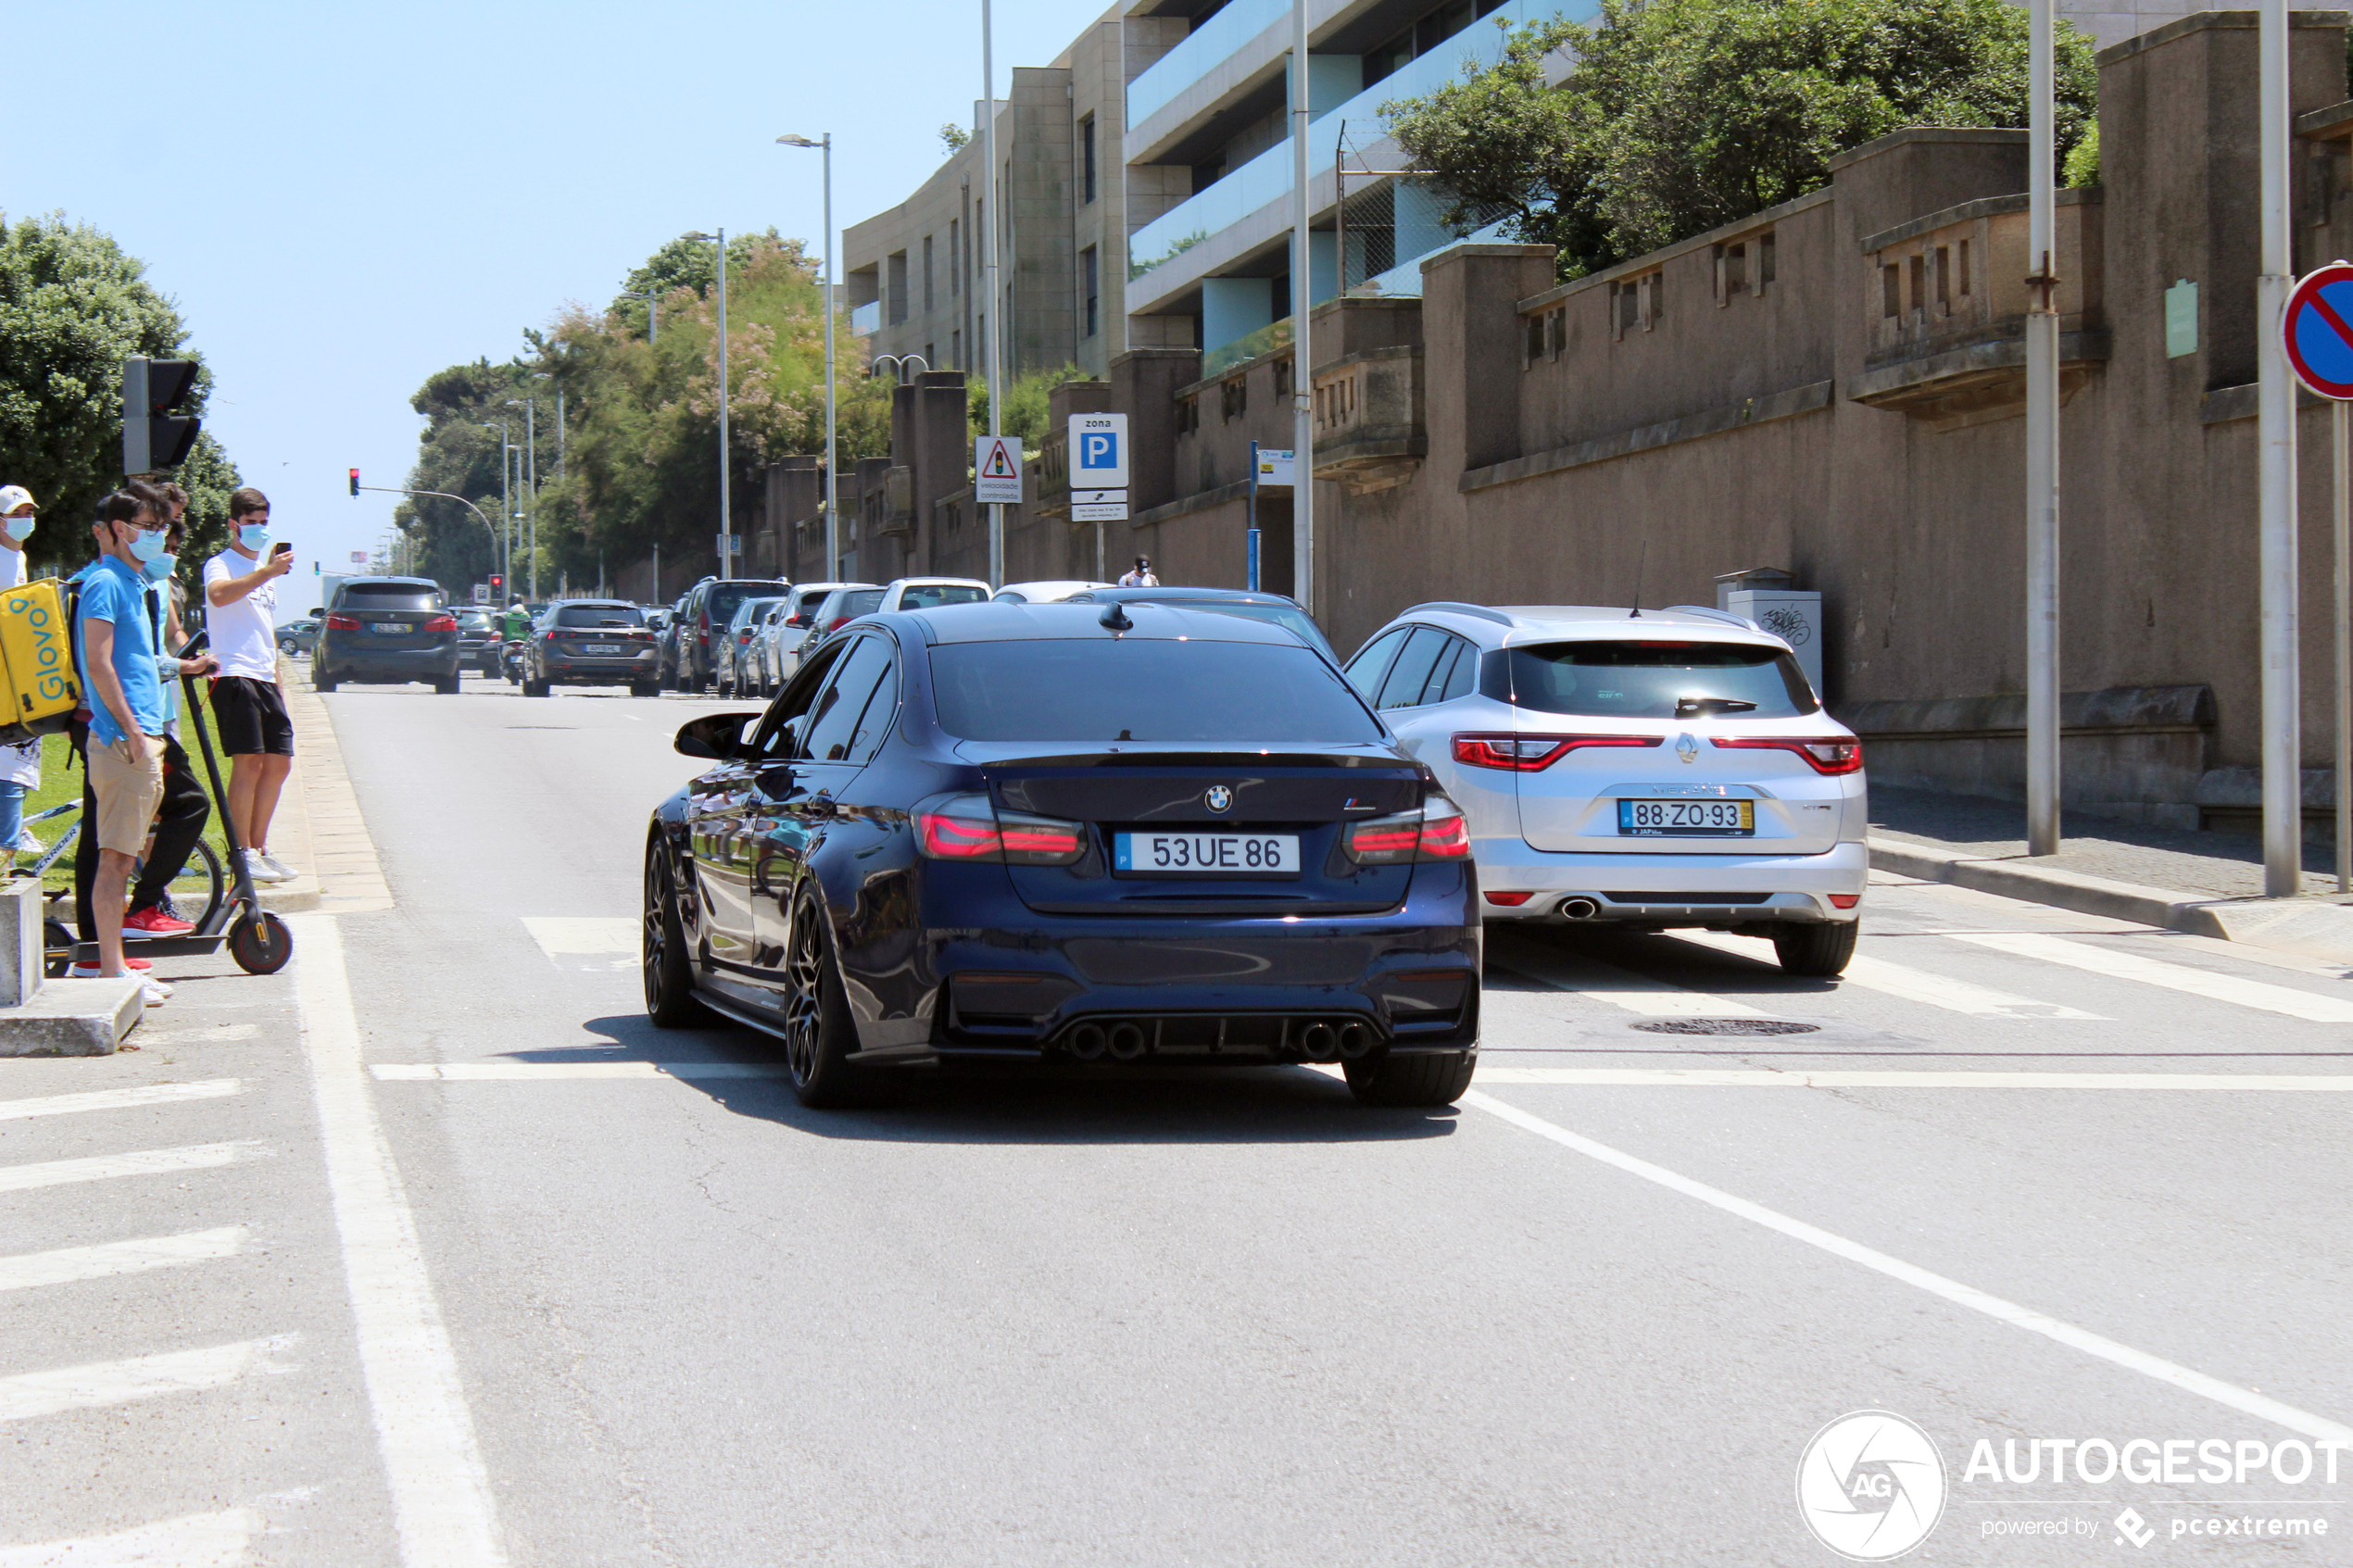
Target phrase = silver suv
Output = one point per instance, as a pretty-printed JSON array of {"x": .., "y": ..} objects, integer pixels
[{"x": 1660, "y": 768}]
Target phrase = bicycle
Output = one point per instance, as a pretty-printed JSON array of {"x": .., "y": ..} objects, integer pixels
[{"x": 195, "y": 896}]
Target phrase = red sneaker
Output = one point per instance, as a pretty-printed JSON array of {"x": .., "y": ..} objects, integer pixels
[
  {"x": 90, "y": 971},
  {"x": 155, "y": 922}
]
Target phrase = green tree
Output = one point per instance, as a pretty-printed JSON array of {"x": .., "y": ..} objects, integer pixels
[
  {"x": 1025, "y": 405},
  {"x": 72, "y": 306},
  {"x": 1678, "y": 115}
]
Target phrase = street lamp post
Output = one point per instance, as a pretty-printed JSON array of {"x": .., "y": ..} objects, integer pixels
[
  {"x": 833, "y": 493},
  {"x": 506, "y": 503},
  {"x": 726, "y": 517},
  {"x": 529, "y": 407},
  {"x": 991, "y": 261}
]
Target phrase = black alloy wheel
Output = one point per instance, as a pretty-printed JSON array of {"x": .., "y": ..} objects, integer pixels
[
  {"x": 818, "y": 1032},
  {"x": 1437, "y": 1079},
  {"x": 670, "y": 982}
]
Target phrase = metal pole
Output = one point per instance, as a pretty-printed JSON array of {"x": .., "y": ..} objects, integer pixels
[
  {"x": 1250, "y": 541},
  {"x": 1303, "y": 292},
  {"x": 2340, "y": 419},
  {"x": 2275, "y": 463},
  {"x": 993, "y": 221},
  {"x": 560, "y": 436},
  {"x": 506, "y": 509},
  {"x": 652, "y": 319},
  {"x": 726, "y": 517},
  {"x": 833, "y": 486},
  {"x": 2041, "y": 448},
  {"x": 656, "y": 574},
  {"x": 531, "y": 451}
]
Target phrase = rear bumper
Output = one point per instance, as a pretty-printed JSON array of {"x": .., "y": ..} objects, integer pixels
[
  {"x": 1670, "y": 889},
  {"x": 632, "y": 669},
  {"x": 364, "y": 663}
]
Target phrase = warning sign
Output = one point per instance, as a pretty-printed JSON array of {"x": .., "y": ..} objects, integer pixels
[{"x": 997, "y": 470}]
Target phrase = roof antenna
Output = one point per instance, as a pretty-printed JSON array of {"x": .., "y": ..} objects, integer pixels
[{"x": 1114, "y": 618}]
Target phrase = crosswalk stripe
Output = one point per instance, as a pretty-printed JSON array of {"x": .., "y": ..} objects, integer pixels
[
  {"x": 100, "y": 1383},
  {"x": 195, "y": 1540},
  {"x": 67, "y": 1264},
  {"x": 117, "y": 1100},
  {"x": 2117, "y": 965},
  {"x": 562, "y": 936},
  {"x": 405, "y": 1072},
  {"x": 1620, "y": 987},
  {"x": 1911, "y": 984},
  {"x": 147, "y": 1163},
  {"x": 1766, "y": 1078}
]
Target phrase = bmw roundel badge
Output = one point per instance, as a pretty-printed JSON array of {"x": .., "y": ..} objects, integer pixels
[{"x": 1219, "y": 799}]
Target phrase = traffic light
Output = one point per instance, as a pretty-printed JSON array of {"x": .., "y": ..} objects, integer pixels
[
  {"x": 355, "y": 481},
  {"x": 497, "y": 584},
  {"x": 155, "y": 435}
]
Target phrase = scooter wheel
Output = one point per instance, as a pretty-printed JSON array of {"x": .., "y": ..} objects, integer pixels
[{"x": 261, "y": 945}]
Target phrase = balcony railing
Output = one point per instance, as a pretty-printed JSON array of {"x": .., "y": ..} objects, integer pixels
[{"x": 1201, "y": 53}]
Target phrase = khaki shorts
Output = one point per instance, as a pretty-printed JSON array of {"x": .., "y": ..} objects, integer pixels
[{"x": 128, "y": 793}]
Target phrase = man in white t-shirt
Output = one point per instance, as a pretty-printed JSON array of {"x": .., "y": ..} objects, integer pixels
[
  {"x": 1142, "y": 577},
  {"x": 240, "y": 596}
]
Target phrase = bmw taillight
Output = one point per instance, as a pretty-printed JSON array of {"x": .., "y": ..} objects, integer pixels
[
  {"x": 342, "y": 623},
  {"x": 1530, "y": 754},
  {"x": 1437, "y": 832},
  {"x": 442, "y": 623},
  {"x": 969, "y": 827},
  {"x": 1824, "y": 754}
]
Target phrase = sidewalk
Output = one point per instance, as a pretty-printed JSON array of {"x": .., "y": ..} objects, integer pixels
[
  {"x": 319, "y": 826},
  {"x": 2206, "y": 884}
]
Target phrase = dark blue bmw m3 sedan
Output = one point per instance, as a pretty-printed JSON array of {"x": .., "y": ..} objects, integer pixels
[{"x": 1067, "y": 834}]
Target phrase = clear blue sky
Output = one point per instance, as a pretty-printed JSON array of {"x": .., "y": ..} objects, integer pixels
[{"x": 345, "y": 198}]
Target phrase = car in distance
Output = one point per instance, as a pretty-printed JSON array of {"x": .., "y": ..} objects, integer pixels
[
  {"x": 477, "y": 640},
  {"x": 930, "y": 593},
  {"x": 835, "y": 611},
  {"x": 1277, "y": 609},
  {"x": 387, "y": 630},
  {"x": 297, "y": 637},
  {"x": 1041, "y": 593},
  {"x": 704, "y": 615},
  {"x": 1064, "y": 834},
  {"x": 790, "y": 633},
  {"x": 760, "y": 657},
  {"x": 731, "y": 656},
  {"x": 1674, "y": 769},
  {"x": 591, "y": 643}
]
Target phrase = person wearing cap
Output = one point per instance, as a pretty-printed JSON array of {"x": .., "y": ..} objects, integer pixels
[
  {"x": 20, "y": 765},
  {"x": 1142, "y": 577}
]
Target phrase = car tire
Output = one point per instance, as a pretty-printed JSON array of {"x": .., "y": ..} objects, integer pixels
[
  {"x": 535, "y": 688},
  {"x": 447, "y": 685},
  {"x": 645, "y": 688},
  {"x": 1816, "y": 951},
  {"x": 1387, "y": 1080},
  {"x": 288, "y": 649},
  {"x": 668, "y": 968},
  {"x": 322, "y": 683},
  {"x": 819, "y": 1033}
]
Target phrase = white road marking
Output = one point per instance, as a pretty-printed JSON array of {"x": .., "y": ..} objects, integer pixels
[
  {"x": 562, "y": 936},
  {"x": 117, "y": 1100},
  {"x": 100, "y": 1383},
  {"x": 1902, "y": 980},
  {"x": 1635, "y": 993},
  {"x": 2120, "y": 965},
  {"x": 440, "y": 1491},
  {"x": 147, "y": 1163},
  {"x": 2244, "y": 1400},
  {"x": 405, "y": 1072},
  {"x": 196, "y": 1540},
  {"x": 218, "y": 1033},
  {"x": 67, "y": 1264},
  {"x": 1768, "y": 1078}
]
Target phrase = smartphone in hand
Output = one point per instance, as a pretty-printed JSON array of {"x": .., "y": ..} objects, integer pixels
[{"x": 282, "y": 549}]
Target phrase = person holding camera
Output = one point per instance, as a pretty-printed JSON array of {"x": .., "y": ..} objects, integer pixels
[{"x": 241, "y": 591}]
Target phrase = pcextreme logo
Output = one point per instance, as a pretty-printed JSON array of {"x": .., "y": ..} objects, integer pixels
[{"x": 1871, "y": 1485}]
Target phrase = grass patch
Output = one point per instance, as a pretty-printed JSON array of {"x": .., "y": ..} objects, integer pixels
[{"x": 61, "y": 783}]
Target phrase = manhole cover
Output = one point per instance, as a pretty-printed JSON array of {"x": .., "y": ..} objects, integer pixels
[{"x": 1727, "y": 1026}]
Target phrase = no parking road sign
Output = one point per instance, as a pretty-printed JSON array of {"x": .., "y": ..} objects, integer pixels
[{"x": 2319, "y": 327}]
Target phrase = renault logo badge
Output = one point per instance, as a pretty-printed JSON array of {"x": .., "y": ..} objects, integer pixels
[
  {"x": 1219, "y": 799},
  {"x": 1686, "y": 747}
]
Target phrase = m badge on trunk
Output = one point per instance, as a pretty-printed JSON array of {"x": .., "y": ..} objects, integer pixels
[{"x": 1219, "y": 799}]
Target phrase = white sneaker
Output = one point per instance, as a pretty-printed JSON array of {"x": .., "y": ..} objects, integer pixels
[
  {"x": 154, "y": 993},
  {"x": 285, "y": 872},
  {"x": 28, "y": 845},
  {"x": 258, "y": 867}
]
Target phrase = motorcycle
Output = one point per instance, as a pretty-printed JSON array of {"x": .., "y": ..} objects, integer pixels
[{"x": 510, "y": 660}]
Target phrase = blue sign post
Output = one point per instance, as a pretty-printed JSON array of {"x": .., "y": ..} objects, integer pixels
[
  {"x": 2318, "y": 325},
  {"x": 1251, "y": 547}
]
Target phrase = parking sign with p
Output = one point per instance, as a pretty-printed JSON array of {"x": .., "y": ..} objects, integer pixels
[{"x": 1099, "y": 451}]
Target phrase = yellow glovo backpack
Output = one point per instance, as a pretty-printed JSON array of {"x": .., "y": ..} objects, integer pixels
[{"x": 36, "y": 662}]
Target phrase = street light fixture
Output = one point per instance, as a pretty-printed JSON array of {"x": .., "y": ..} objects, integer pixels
[
  {"x": 529, "y": 408},
  {"x": 833, "y": 540},
  {"x": 898, "y": 363},
  {"x": 726, "y": 517}
]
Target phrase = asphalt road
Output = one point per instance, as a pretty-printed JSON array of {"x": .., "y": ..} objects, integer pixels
[{"x": 473, "y": 1283}]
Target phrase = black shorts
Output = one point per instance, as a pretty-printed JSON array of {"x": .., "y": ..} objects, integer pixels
[{"x": 251, "y": 716}]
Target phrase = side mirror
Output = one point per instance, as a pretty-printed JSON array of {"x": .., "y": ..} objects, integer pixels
[
  {"x": 788, "y": 734},
  {"x": 316, "y": 611},
  {"x": 717, "y": 736}
]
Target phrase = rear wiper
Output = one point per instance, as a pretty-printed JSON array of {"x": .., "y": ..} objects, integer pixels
[{"x": 1693, "y": 707}]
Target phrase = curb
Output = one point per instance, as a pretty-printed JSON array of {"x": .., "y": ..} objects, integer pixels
[
  {"x": 73, "y": 1018},
  {"x": 2307, "y": 927}
]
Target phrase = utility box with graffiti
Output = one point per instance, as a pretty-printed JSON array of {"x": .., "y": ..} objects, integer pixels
[{"x": 1771, "y": 596}]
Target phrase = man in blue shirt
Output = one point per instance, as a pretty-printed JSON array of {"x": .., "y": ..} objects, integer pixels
[{"x": 117, "y": 657}]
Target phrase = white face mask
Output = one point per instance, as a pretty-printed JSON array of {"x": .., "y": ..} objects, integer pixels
[{"x": 19, "y": 528}]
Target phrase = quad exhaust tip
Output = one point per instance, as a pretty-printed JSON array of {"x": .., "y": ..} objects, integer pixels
[
  {"x": 1321, "y": 1040},
  {"x": 1088, "y": 1043},
  {"x": 1126, "y": 1042}
]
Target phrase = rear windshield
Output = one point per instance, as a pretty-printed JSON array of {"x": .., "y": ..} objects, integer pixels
[
  {"x": 600, "y": 615},
  {"x": 473, "y": 619},
  {"x": 749, "y": 613},
  {"x": 725, "y": 597},
  {"x": 1290, "y": 620},
  {"x": 1144, "y": 689},
  {"x": 1660, "y": 679},
  {"x": 390, "y": 595},
  {"x": 864, "y": 602},
  {"x": 930, "y": 595}
]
